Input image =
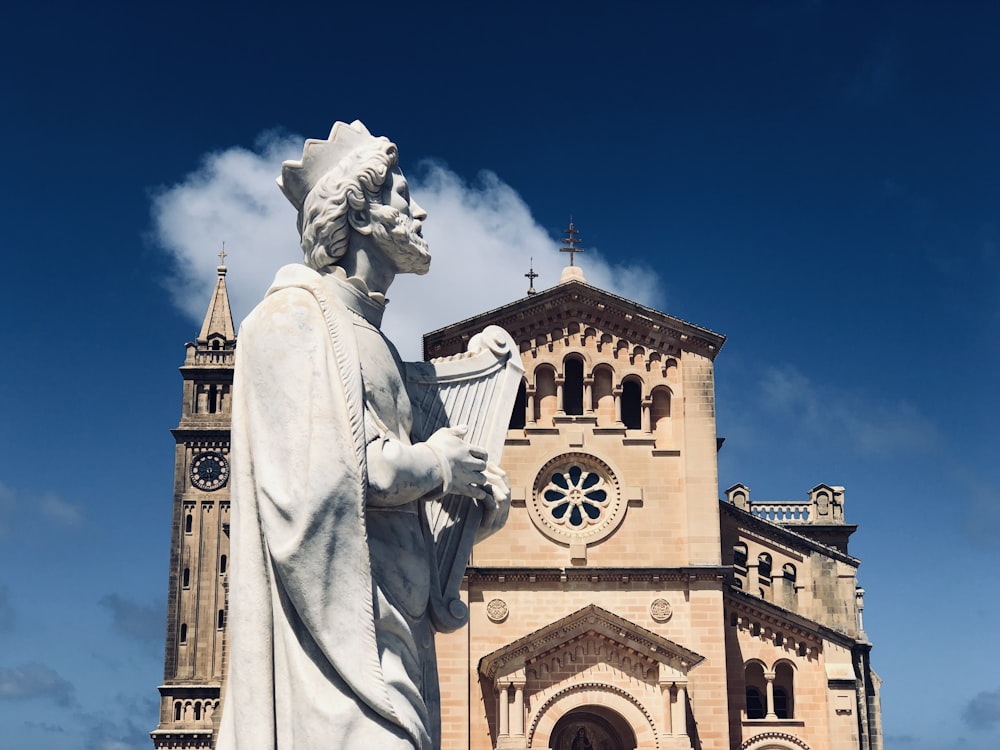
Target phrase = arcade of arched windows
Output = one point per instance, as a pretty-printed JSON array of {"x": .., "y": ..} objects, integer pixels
[
  {"x": 195, "y": 711},
  {"x": 770, "y": 693},
  {"x": 757, "y": 573},
  {"x": 601, "y": 393}
]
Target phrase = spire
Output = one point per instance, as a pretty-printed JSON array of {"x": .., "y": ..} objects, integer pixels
[
  {"x": 219, "y": 318},
  {"x": 531, "y": 276},
  {"x": 572, "y": 271}
]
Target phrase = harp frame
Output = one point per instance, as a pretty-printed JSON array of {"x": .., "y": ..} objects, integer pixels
[{"x": 477, "y": 388}]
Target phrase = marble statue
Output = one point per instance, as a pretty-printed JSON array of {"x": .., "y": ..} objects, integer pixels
[{"x": 331, "y": 641}]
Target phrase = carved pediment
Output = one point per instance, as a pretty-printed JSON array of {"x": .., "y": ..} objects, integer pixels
[
  {"x": 588, "y": 636},
  {"x": 570, "y": 309}
]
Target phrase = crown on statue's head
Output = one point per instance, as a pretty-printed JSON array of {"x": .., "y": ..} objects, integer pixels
[{"x": 319, "y": 157}]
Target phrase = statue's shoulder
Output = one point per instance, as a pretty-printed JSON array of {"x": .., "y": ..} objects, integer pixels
[{"x": 293, "y": 299}]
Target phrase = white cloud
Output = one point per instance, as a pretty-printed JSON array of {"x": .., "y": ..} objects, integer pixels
[
  {"x": 481, "y": 234},
  {"x": 35, "y": 681},
  {"x": 865, "y": 424},
  {"x": 56, "y": 509}
]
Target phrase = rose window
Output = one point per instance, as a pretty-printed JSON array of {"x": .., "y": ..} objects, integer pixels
[{"x": 576, "y": 497}]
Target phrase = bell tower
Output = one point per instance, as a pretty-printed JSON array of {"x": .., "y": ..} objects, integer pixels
[{"x": 195, "y": 653}]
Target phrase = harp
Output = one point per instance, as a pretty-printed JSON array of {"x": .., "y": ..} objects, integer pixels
[{"x": 478, "y": 389}]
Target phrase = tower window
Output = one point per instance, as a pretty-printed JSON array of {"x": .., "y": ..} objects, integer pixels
[
  {"x": 764, "y": 568},
  {"x": 188, "y": 523},
  {"x": 573, "y": 386},
  {"x": 222, "y": 619},
  {"x": 222, "y": 565},
  {"x": 632, "y": 404},
  {"x": 517, "y": 416},
  {"x": 184, "y": 633},
  {"x": 186, "y": 578}
]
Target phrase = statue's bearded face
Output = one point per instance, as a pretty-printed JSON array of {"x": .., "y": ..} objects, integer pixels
[{"x": 396, "y": 226}]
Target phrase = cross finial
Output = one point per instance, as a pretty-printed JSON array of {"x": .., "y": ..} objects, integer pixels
[
  {"x": 531, "y": 276},
  {"x": 571, "y": 240},
  {"x": 222, "y": 255}
]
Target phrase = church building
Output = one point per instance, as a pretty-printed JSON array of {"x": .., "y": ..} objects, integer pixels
[{"x": 625, "y": 605}]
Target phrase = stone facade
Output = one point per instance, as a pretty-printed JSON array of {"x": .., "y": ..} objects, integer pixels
[{"x": 623, "y": 605}]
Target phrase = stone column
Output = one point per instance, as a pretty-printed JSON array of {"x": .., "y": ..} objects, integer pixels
[
  {"x": 529, "y": 417},
  {"x": 518, "y": 724},
  {"x": 769, "y": 676},
  {"x": 617, "y": 393},
  {"x": 678, "y": 714},
  {"x": 588, "y": 395},
  {"x": 503, "y": 710},
  {"x": 647, "y": 404},
  {"x": 560, "y": 406}
]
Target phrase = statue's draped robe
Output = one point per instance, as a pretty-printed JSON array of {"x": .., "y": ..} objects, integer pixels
[{"x": 322, "y": 653}]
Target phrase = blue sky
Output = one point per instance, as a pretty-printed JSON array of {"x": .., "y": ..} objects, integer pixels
[{"x": 818, "y": 181}]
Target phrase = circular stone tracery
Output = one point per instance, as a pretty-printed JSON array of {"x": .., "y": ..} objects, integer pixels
[{"x": 576, "y": 498}]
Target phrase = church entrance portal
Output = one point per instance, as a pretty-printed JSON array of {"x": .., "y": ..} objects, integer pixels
[{"x": 592, "y": 728}]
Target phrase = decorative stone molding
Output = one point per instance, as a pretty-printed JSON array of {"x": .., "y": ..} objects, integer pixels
[
  {"x": 587, "y": 693},
  {"x": 660, "y": 610},
  {"x": 640, "y": 643},
  {"x": 496, "y": 610},
  {"x": 767, "y": 740}
]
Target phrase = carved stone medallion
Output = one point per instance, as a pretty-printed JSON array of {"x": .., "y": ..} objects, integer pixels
[
  {"x": 496, "y": 610},
  {"x": 660, "y": 610}
]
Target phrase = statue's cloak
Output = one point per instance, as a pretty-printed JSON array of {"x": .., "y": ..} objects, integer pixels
[{"x": 302, "y": 657}]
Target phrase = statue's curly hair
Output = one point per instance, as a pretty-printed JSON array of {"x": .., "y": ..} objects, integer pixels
[{"x": 354, "y": 184}]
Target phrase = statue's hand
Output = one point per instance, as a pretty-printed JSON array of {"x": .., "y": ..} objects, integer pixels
[
  {"x": 463, "y": 465},
  {"x": 497, "y": 506}
]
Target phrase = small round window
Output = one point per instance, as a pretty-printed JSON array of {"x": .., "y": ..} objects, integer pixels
[{"x": 576, "y": 498}]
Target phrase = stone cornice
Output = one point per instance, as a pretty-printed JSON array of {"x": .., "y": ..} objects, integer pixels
[
  {"x": 595, "y": 575},
  {"x": 748, "y": 521},
  {"x": 587, "y": 305},
  {"x": 783, "y": 620}
]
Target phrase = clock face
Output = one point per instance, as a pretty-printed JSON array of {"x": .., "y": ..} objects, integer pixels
[{"x": 209, "y": 471}]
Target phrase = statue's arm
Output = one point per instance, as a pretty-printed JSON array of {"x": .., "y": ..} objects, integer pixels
[{"x": 399, "y": 473}]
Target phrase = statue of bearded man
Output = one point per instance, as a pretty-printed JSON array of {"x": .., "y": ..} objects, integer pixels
[{"x": 331, "y": 644}]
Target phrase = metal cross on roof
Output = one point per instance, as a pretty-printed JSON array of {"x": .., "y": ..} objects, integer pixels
[
  {"x": 222, "y": 255},
  {"x": 531, "y": 276},
  {"x": 571, "y": 240}
]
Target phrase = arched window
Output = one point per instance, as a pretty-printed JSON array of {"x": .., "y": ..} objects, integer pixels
[
  {"x": 740, "y": 556},
  {"x": 222, "y": 564},
  {"x": 789, "y": 572},
  {"x": 602, "y": 396},
  {"x": 177, "y": 710},
  {"x": 213, "y": 399},
  {"x": 660, "y": 416},
  {"x": 222, "y": 619},
  {"x": 764, "y": 568},
  {"x": 188, "y": 523},
  {"x": 197, "y": 711},
  {"x": 545, "y": 395},
  {"x": 632, "y": 404},
  {"x": 756, "y": 691},
  {"x": 517, "y": 415},
  {"x": 784, "y": 704},
  {"x": 186, "y": 578},
  {"x": 184, "y": 632},
  {"x": 573, "y": 386}
]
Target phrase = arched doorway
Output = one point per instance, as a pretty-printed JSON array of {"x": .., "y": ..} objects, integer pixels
[{"x": 592, "y": 728}]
